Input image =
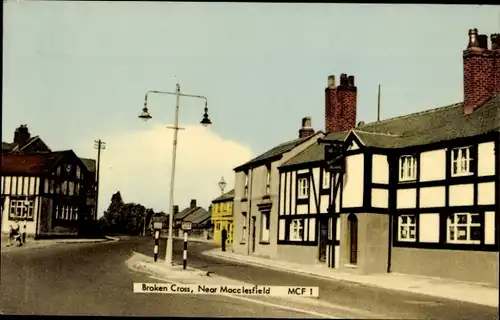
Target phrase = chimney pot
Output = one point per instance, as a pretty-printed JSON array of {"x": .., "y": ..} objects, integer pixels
[
  {"x": 331, "y": 82},
  {"x": 495, "y": 41},
  {"x": 21, "y": 135},
  {"x": 193, "y": 203},
  {"x": 343, "y": 79},
  {"x": 482, "y": 39},
  {"x": 176, "y": 210},
  {"x": 350, "y": 81},
  {"x": 473, "y": 41},
  {"x": 306, "y": 130}
]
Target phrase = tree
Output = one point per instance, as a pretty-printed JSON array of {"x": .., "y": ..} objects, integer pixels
[{"x": 111, "y": 219}]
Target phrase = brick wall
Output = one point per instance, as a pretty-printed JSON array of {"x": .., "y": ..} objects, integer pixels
[
  {"x": 340, "y": 104},
  {"x": 481, "y": 70}
]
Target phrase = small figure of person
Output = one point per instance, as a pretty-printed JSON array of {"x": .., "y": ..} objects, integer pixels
[
  {"x": 24, "y": 231},
  {"x": 224, "y": 238},
  {"x": 11, "y": 235}
]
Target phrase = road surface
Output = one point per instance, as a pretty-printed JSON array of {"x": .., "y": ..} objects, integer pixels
[
  {"x": 369, "y": 301},
  {"x": 92, "y": 279}
]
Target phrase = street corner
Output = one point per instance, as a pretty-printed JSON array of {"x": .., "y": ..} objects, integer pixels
[
  {"x": 30, "y": 244},
  {"x": 84, "y": 240}
]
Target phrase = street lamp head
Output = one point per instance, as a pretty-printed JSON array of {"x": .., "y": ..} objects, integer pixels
[
  {"x": 145, "y": 116},
  {"x": 222, "y": 184},
  {"x": 205, "y": 121}
]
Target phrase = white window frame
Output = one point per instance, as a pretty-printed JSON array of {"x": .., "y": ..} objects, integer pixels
[
  {"x": 461, "y": 161},
  {"x": 245, "y": 189},
  {"x": 268, "y": 181},
  {"x": 407, "y": 168},
  {"x": 303, "y": 188},
  {"x": 296, "y": 230},
  {"x": 21, "y": 209},
  {"x": 407, "y": 229},
  {"x": 326, "y": 179},
  {"x": 265, "y": 225},
  {"x": 454, "y": 226},
  {"x": 244, "y": 227}
]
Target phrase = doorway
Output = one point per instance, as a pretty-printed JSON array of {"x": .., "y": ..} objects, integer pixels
[
  {"x": 352, "y": 222},
  {"x": 323, "y": 238},
  {"x": 254, "y": 222}
]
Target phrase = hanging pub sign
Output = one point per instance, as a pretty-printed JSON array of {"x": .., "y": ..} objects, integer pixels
[{"x": 333, "y": 156}]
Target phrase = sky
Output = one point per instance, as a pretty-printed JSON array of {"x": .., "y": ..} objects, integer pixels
[{"x": 75, "y": 72}]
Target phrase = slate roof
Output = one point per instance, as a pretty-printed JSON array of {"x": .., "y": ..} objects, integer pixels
[
  {"x": 225, "y": 197},
  {"x": 197, "y": 216},
  {"x": 6, "y": 146},
  {"x": 314, "y": 152},
  {"x": 434, "y": 125},
  {"x": 179, "y": 216},
  {"x": 89, "y": 163},
  {"x": 275, "y": 152},
  {"x": 31, "y": 164}
]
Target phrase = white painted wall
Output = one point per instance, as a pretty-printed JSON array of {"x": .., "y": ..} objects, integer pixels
[
  {"x": 486, "y": 159},
  {"x": 429, "y": 227},
  {"x": 352, "y": 195},
  {"x": 432, "y": 197},
  {"x": 406, "y": 198},
  {"x": 337, "y": 257},
  {"x": 380, "y": 198},
  {"x": 314, "y": 191},
  {"x": 489, "y": 228},
  {"x": 30, "y": 187},
  {"x": 461, "y": 195},
  {"x": 312, "y": 229},
  {"x": 353, "y": 146},
  {"x": 323, "y": 205},
  {"x": 486, "y": 193},
  {"x": 30, "y": 225},
  {"x": 380, "y": 172},
  {"x": 339, "y": 192},
  {"x": 282, "y": 194},
  {"x": 433, "y": 165},
  {"x": 281, "y": 235},
  {"x": 302, "y": 209}
]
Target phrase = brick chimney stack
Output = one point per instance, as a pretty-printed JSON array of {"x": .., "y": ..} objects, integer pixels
[
  {"x": 176, "y": 210},
  {"x": 21, "y": 135},
  {"x": 340, "y": 104},
  {"x": 306, "y": 130},
  {"x": 481, "y": 70},
  {"x": 193, "y": 203}
]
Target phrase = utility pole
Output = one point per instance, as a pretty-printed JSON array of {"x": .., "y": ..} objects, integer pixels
[
  {"x": 99, "y": 145},
  {"x": 378, "y": 104}
]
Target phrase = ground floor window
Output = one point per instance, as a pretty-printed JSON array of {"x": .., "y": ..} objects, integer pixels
[
  {"x": 21, "y": 208},
  {"x": 244, "y": 226},
  {"x": 407, "y": 227},
  {"x": 264, "y": 226},
  {"x": 296, "y": 230},
  {"x": 464, "y": 228},
  {"x": 66, "y": 212}
]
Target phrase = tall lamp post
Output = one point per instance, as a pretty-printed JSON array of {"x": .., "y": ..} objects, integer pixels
[
  {"x": 205, "y": 122},
  {"x": 222, "y": 185}
]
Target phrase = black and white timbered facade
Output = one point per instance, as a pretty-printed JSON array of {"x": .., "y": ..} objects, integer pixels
[
  {"x": 47, "y": 190},
  {"x": 416, "y": 194}
]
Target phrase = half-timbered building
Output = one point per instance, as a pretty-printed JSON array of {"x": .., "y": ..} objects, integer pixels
[
  {"x": 48, "y": 190},
  {"x": 416, "y": 194},
  {"x": 256, "y": 195}
]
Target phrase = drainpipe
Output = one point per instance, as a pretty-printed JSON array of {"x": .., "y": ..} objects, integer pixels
[
  {"x": 391, "y": 212},
  {"x": 249, "y": 213}
]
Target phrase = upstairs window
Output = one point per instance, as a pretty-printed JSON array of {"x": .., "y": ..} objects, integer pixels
[
  {"x": 303, "y": 188},
  {"x": 245, "y": 192},
  {"x": 464, "y": 228},
  {"x": 326, "y": 179},
  {"x": 407, "y": 168},
  {"x": 268, "y": 180},
  {"x": 461, "y": 162}
]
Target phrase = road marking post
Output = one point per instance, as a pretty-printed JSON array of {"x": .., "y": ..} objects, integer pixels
[
  {"x": 184, "y": 254},
  {"x": 157, "y": 236}
]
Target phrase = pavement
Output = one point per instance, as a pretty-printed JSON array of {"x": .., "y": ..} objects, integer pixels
[
  {"x": 337, "y": 298},
  {"x": 36, "y": 244},
  {"x": 437, "y": 287},
  {"x": 92, "y": 279}
]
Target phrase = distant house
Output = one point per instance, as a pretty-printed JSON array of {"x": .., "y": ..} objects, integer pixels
[
  {"x": 26, "y": 144},
  {"x": 47, "y": 189},
  {"x": 222, "y": 216},
  {"x": 198, "y": 216}
]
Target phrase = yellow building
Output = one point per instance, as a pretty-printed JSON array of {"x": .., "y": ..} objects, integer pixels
[{"x": 222, "y": 217}]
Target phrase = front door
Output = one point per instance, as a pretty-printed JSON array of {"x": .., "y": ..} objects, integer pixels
[
  {"x": 353, "y": 238},
  {"x": 323, "y": 239},
  {"x": 253, "y": 233}
]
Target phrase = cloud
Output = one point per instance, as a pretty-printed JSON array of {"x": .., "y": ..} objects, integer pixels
[{"x": 138, "y": 164}]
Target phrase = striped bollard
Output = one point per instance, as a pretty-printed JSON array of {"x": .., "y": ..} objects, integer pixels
[
  {"x": 184, "y": 254},
  {"x": 157, "y": 236}
]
